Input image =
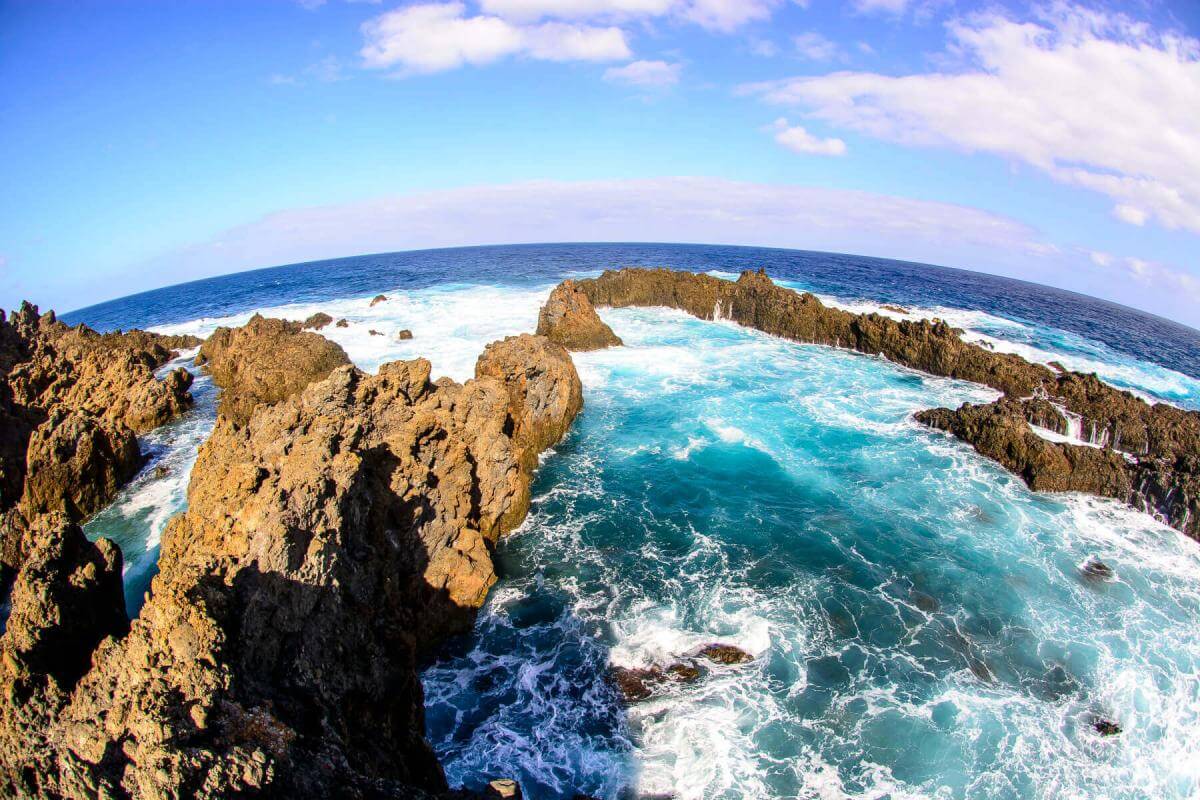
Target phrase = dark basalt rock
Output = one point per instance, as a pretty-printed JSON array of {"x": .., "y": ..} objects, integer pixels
[
  {"x": 639, "y": 683},
  {"x": 1106, "y": 727},
  {"x": 1095, "y": 569}
]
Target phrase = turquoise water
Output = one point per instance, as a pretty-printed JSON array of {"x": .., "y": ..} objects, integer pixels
[{"x": 919, "y": 622}]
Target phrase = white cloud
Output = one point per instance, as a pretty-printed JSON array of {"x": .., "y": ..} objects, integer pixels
[
  {"x": 886, "y": 6},
  {"x": 656, "y": 209},
  {"x": 433, "y": 37},
  {"x": 816, "y": 47},
  {"x": 1100, "y": 258},
  {"x": 646, "y": 74},
  {"x": 1092, "y": 100},
  {"x": 728, "y": 15},
  {"x": 798, "y": 140},
  {"x": 532, "y": 10},
  {"x": 716, "y": 15}
]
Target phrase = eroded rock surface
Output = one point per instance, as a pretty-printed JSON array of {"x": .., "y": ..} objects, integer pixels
[
  {"x": 72, "y": 402},
  {"x": 1160, "y": 474},
  {"x": 329, "y": 538},
  {"x": 265, "y": 361},
  {"x": 569, "y": 318}
]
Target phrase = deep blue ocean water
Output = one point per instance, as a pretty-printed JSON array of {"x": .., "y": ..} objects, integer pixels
[{"x": 919, "y": 621}]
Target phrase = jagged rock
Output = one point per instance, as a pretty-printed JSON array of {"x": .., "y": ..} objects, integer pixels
[
  {"x": 569, "y": 319},
  {"x": 67, "y": 598},
  {"x": 377, "y": 299},
  {"x": 895, "y": 309},
  {"x": 76, "y": 463},
  {"x": 1106, "y": 727},
  {"x": 328, "y": 540},
  {"x": 374, "y": 332},
  {"x": 725, "y": 654},
  {"x": 265, "y": 361},
  {"x": 1162, "y": 476},
  {"x": 404, "y": 335},
  {"x": 1001, "y": 432},
  {"x": 317, "y": 321},
  {"x": 71, "y": 403},
  {"x": 341, "y": 323},
  {"x": 639, "y": 683}
]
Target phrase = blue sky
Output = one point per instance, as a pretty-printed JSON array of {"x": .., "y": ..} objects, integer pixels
[{"x": 143, "y": 144}]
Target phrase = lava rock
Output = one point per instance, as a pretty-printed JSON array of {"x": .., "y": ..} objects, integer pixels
[
  {"x": 377, "y": 299},
  {"x": 317, "y": 321},
  {"x": 404, "y": 335},
  {"x": 569, "y": 319},
  {"x": 725, "y": 654}
]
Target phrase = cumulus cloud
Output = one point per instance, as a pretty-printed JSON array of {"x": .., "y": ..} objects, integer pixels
[
  {"x": 798, "y": 140},
  {"x": 434, "y": 37},
  {"x": 887, "y": 6},
  {"x": 645, "y": 74},
  {"x": 1092, "y": 100}
]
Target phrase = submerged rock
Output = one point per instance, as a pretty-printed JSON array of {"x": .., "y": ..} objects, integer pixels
[
  {"x": 265, "y": 361},
  {"x": 1095, "y": 569},
  {"x": 329, "y": 539},
  {"x": 639, "y": 683},
  {"x": 569, "y": 319},
  {"x": 1106, "y": 727},
  {"x": 725, "y": 654}
]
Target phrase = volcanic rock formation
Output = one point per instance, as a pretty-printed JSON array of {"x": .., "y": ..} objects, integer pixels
[
  {"x": 1147, "y": 455},
  {"x": 329, "y": 538},
  {"x": 569, "y": 319},
  {"x": 265, "y": 361},
  {"x": 72, "y": 402}
]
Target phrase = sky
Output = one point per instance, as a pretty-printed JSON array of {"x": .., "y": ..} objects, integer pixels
[{"x": 149, "y": 143}]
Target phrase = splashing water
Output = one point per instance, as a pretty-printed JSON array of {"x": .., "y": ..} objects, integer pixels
[{"x": 920, "y": 622}]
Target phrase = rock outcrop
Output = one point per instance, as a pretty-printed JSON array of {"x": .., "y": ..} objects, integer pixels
[
  {"x": 265, "y": 361},
  {"x": 72, "y": 402},
  {"x": 330, "y": 537},
  {"x": 317, "y": 321},
  {"x": 1160, "y": 473},
  {"x": 569, "y": 318}
]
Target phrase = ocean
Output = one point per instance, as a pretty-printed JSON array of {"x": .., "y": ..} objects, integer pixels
[{"x": 919, "y": 620}]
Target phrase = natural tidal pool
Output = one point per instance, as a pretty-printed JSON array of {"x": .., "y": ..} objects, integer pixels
[
  {"x": 918, "y": 618},
  {"x": 919, "y": 621}
]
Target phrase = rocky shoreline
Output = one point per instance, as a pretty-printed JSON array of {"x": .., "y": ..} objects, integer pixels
[
  {"x": 340, "y": 524},
  {"x": 1142, "y": 454}
]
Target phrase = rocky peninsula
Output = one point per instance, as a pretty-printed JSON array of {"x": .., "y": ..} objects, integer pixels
[
  {"x": 1147, "y": 455},
  {"x": 338, "y": 524}
]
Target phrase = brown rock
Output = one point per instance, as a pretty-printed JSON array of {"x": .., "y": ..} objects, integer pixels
[
  {"x": 71, "y": 403},
  {"x": 328, "y": 540},
  {"x": 265, "y": 361},
  {"x": 569, "y": 319},
  {"x": 1163, "y": 475},
  {"x": 725, "y": 654},
  {"x": 894, "y": 308},
  {"x": 377, "y": 299},
  {"x": 341, "y": 323},
  {"x": 404, "y": 335},
  {"x": 504, "y": 789},
  {"x": 374, "y": 332},
  {"x": 317, "y": 321}
]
